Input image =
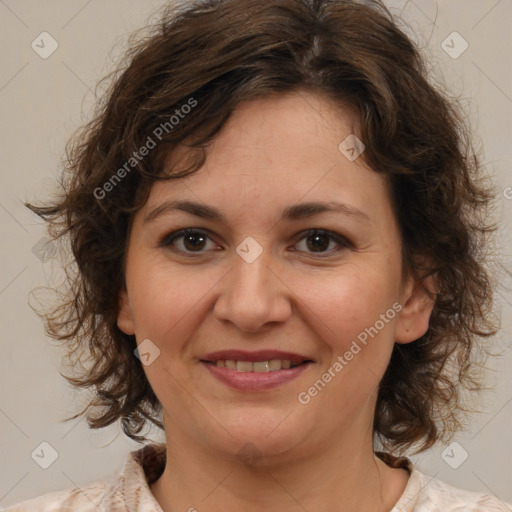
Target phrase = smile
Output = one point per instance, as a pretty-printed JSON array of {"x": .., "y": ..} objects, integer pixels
[
  {"x": 255, "y": 370},
  {"x": 256, "y": 366},
  {"x": 255, "y": 376}
]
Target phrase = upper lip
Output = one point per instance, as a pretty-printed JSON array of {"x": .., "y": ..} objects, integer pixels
[{"x": 260, "y": 355}]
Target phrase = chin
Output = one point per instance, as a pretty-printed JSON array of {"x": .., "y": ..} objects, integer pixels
[{"x": 254, "y": 437}]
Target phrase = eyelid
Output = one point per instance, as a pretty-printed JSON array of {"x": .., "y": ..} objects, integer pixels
[
  {"x": 336, "y": 237},
  {"x": 167, "y": 240},
  {"x": 342, "y": 241}
]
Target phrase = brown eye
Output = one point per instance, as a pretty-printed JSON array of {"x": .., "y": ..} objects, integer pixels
[
  {"x": 190, "y": 240},
  {"x": 193, "y": 241},
  {"x": 318, "y": 241}
]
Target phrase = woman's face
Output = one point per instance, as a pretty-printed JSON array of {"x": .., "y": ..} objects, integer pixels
[{"x": 253, "y": 279}]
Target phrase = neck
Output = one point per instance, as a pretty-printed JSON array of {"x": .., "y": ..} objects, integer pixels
[{"x": 346, "y": 477}]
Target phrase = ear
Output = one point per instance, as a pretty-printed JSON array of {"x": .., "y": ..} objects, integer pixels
[
  {"x": 417, "y": 304},
  {"x": 125, "y": 316}
]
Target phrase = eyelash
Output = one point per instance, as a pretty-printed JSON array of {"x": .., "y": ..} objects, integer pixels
[{"x": 340, "y": 240}]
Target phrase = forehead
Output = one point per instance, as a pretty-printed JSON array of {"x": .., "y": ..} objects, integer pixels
[{"x": 278, "y": 150}]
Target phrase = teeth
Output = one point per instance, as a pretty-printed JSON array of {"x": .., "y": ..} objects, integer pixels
[
  {"x": 230, "y": 364},
  {"x": 277, "y": 364},
  {"x": 259, "y": 366},
  {"x": 244, "y": 366}
]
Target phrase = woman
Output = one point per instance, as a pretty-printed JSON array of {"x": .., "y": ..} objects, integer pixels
[{"x": 278, "y": 227}]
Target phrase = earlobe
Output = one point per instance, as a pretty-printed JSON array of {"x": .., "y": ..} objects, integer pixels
[
  {"x": 125, "y": 316},
  {"x": 413, "y": 319}
]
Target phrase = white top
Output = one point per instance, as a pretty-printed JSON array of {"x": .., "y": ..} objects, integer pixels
[{"x": 130, "y": 491}]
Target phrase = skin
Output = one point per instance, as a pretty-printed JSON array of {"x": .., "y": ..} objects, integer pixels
[{"x": 273, "y": 153}]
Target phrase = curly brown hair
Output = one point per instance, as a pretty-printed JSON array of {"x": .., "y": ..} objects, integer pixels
[{"x": 180, "y": 84}]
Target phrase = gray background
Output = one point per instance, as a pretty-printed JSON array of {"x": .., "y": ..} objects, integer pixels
[{"x": 42, "y": 101}]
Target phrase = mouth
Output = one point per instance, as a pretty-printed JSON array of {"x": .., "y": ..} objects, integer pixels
[
  {"x": 255, "y": 371},
  {"x": 273, "y": 365},
  {"x": 261, "y": 361}
]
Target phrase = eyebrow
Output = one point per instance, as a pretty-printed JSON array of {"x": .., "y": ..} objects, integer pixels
[{"x": 295, "y": 212}]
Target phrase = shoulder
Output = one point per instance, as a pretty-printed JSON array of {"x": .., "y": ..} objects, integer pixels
[
  {"x": 86, "y": 499},
  {"x": 128, "y": 491},
  {"x": 427, "y": 494}
]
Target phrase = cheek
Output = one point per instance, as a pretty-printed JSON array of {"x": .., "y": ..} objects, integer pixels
[
  {"x": 344, "y": 306},
  {"x": 165, "y": 298},
  {"x": 166, "y": 309},
  {"x": 353, "y": 319}
]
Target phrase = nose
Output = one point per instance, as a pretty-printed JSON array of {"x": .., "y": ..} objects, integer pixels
[{"x": 253, "y": 296}]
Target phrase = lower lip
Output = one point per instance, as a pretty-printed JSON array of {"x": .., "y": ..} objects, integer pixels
[{"x": 255, "y": 381}]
